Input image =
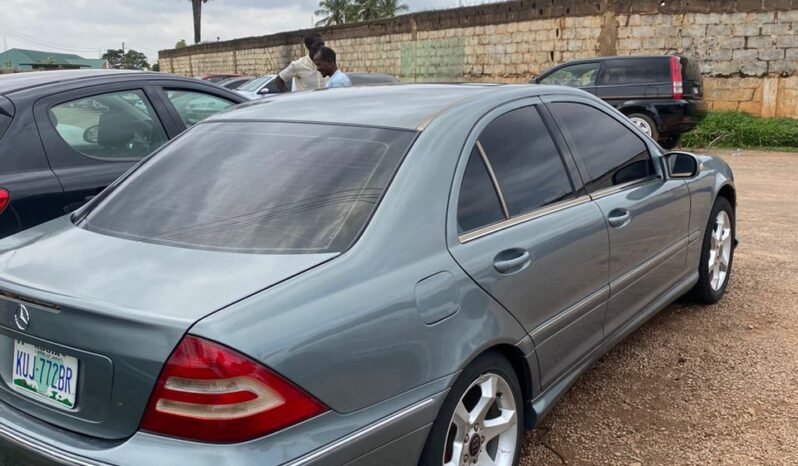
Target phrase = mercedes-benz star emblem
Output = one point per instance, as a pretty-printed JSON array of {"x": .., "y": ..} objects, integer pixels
[{"x": 22, "y": 317}]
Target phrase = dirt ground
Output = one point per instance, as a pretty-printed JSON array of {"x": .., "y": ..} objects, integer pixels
[{"x": 702, "y": 385}]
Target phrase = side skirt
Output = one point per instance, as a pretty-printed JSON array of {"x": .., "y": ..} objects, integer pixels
[{"x": 543, "y": 403}]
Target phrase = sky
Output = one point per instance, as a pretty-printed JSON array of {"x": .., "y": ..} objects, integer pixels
[{"x": 89, "y": 27}]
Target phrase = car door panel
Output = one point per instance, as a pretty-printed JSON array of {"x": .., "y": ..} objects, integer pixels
[
  {"x": 559, "y": 286},
  {"x": 649, "y": 253},
  {"x": 647, "y": 215}
]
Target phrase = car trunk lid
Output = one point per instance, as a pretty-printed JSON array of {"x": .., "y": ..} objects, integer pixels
[{"x": 119, "y": 307}]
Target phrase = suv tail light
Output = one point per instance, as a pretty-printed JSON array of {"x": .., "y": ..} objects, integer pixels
[
  {"x": 676, "y": 77},
  {"x": 4, "y": 198},
  {"x": 211, "y": 393}
]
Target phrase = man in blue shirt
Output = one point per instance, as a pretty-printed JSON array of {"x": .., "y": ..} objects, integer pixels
[{"x": 325, "y": 63}]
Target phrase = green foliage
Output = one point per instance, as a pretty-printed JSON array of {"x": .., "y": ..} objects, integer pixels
[
  {"x": 181, "y": 44},
  {"x": 741, "y": 130},
  {"x": 130, "y": 60},
  {"x": 351, "y": 11}
]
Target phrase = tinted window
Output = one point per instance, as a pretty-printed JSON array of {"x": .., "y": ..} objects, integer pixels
[
  {"x": 690, "y": 70},
  {"x": 574, "y": 75},
  {"x": 281, "y": 188},
  {"x": 639, "y": 70},
  {"x": 611, "y": 152},
  {"x": 478, "y": 205},
  {"x": 116, "y": 126},
  {"x": 525, "y": 160},
  {"x": 194, "y": 107}
]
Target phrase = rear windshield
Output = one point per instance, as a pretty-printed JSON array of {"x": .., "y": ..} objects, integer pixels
[
  {"x": 637, "y": 70},
  {"x": 690, "y": 70},
  {"x": 256, "y": 187}
]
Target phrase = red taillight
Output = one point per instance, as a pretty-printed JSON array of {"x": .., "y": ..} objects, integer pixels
[
  {"x": 676, "y": 78},
  {"x": 4, "y": 198},
  {"x": 211, "y": 393}
]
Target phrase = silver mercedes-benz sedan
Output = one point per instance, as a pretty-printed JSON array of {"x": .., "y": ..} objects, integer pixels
[{"x": 383, "y": 275}]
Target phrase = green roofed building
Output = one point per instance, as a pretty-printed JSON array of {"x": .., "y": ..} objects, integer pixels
[{"x": 29, "y": 60}]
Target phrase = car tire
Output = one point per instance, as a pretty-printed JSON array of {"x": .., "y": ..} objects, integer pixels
[
  {"x": 645, "y": 123},
  {"x": 717, "y": 252},
  {"x": 485, "y": 398},
  {"x": 669, "y": 142}
]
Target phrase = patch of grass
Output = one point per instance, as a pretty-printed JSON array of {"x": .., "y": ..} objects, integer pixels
[{"x": 741, "y": 130}]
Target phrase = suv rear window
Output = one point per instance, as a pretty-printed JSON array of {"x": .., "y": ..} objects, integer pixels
[
  {"x": 256, "y": 187},
  {"x": 690, "y": 70},
  {"x": 636, "y": 70}
]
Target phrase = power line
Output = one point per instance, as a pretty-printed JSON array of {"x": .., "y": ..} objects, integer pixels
[{"x": 31, "y": 40}]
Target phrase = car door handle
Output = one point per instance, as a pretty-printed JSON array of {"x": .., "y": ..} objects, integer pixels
[
  {"x": 511, "y": 260},
  {"x": 619, "y": 218}
]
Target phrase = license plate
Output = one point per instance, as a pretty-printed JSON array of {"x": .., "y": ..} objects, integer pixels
[{"x": 46, "y": 374}]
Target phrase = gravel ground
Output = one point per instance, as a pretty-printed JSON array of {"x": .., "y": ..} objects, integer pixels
[{"x": 702, "y": 385}]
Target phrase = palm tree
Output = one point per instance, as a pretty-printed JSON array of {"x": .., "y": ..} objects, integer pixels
[
  {"x": 334, "y": 12},
  {"x": 391, "y": 8},
  {"x": 196, "y": 6},
  {"x": 368, "y": 9}
]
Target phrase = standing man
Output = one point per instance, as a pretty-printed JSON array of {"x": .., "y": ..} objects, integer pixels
[
  {"x": 303, "y": 71},
  {"x": 325, "y": 63}
]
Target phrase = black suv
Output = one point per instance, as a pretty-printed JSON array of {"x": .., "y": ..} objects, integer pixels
[
  {"x": 661, "y": 94},
  {"x": 66, "y": 135}
]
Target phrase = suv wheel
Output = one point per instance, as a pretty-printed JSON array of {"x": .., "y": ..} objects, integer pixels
[{"x": 646, "y": 124}]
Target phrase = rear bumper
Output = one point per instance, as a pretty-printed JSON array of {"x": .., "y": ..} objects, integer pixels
[
  {"x": 330, "y": 439},
  {"x": 679, "y": 116}
]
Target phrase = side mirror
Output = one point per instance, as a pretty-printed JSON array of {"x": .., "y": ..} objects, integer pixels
[
  {"x": 263, "y": 91},
  {"x": 682, "y": 165},
  {"x": 91, "y": 133}
]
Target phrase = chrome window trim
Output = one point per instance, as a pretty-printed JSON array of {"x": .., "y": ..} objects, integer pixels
[
  {"x": 518, "y": 219},
  {"x": 45, "y": 451},
  {"x": 624, "y": 186},
  {"x": 493, "y": 179},
  {"x": 361, "y": 433}
]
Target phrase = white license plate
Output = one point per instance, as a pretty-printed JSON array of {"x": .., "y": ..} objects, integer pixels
[{"x": 43, "y": 373}]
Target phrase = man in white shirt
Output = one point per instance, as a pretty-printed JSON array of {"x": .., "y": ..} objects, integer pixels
[{"x": 303, "y": 71}]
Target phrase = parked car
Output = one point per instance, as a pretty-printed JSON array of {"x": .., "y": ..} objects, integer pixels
[
  {"x": 218, "y": 77},
  {"x": 69, "y": 134},
  {"x": 391, "y": 275},
  {"x": 266, "y": 85},
  {"x": 235, "y": 83},
  {"x": 662, "y": 95}
]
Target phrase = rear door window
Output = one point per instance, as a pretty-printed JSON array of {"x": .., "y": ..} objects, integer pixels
[
  {"x": 530, "y": 172},
  {"x": 270, "y": 188},
  {"x": 478, "y": 205},
  {"x": 580, "y": 75},
  {"x": 5, "y": 122},
  {"x": 194, "y": 107},
  {"x": 113, "y": 127},
  {"x": 612, "y": 153},
  {"x": 636, "y": 71}
]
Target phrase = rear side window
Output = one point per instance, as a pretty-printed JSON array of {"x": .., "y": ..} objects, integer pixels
[
  {"x": 610, "y": 151},
  {"x": 114, "y": 126},
  {"x": 690, "y": 70},
  {"x": 270, "y": 188},
  {"x": 580, "y": 75},
  {"x": 523, "y": 156},
  {"x": 478, "y": 205},
  {"x": 194, "y": 107},
  {"x": 636, "y": 71}
]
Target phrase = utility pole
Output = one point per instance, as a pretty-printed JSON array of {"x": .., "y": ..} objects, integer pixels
[{"x": 5, "y": 44}]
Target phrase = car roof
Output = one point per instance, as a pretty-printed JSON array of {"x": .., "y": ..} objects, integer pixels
[
  {"x": 19, "y": 81},
  {"x": 617, "y": 57},
  {"x": 403, "y": 106}
]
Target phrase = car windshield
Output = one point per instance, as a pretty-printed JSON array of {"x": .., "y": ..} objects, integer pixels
[
  {"x": 255, "y": 84},
  {"x": 256, "y": 187}
]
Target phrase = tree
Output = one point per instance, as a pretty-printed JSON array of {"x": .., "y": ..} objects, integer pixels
[
  {"x": 391, "y": 8},
  {"x": 156, "y": 67},
  {"x": 130, "y": 60},
  {"x": 181, "y": 44},
  {"x": 368, "y": 10},
  {"x": 334, "y": 12},
  {"x": 196, "y": 7}
]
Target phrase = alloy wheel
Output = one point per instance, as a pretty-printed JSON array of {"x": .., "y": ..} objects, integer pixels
[
  {"x": 483, "y": 429},
  {"x": 642, "y": 124},
  {"x": 720, "y": 245}
]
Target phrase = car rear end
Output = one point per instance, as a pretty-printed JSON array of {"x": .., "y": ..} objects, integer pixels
[{"x": 685, "y": 108}]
